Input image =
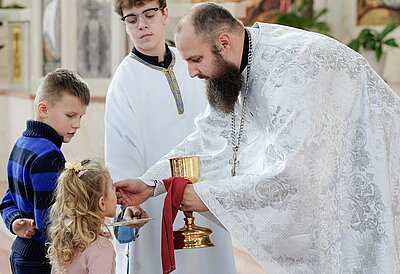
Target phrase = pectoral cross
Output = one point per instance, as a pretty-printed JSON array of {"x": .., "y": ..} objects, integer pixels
[{"x": 234, "y": 161}]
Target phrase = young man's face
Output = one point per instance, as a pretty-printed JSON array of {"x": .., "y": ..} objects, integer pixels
[
  {"x": 64, "y": 116},
  {"x": 146, "y": 27}
]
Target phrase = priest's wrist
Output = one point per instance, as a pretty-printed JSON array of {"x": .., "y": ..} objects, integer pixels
[
  {"x": 156, "y": 187},
  {"x": 159, "y": 188}
]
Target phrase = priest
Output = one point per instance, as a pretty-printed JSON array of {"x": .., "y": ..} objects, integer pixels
[{"x": 299, "y": 147}]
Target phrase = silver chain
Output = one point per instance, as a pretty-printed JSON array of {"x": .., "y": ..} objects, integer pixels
[{"x": 235, "y": 142}]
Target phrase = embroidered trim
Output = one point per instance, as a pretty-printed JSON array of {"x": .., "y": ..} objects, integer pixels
[{"x": 173, "y": 83}]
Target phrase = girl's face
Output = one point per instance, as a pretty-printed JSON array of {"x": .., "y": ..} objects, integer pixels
[{"x": 109, "y": 200}]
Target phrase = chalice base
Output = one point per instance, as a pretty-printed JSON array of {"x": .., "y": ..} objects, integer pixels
[{"x": 192, "y": 236}]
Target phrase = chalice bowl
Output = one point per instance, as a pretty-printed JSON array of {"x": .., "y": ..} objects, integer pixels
[{"x": 191, "y": 235}]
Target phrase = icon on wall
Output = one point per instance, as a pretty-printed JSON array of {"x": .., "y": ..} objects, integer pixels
[
  {"x": 266, "y": 10},
  {"x": 51, "y": 35},
  {"x": 16, "y": 46},
  {"x": 94, "y": 38},
  {"x": 377, "y": 12}
]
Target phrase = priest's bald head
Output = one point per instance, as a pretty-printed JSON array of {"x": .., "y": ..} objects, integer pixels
[{"x": 211, "y": 40}]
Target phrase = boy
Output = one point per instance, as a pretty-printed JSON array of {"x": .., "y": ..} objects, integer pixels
[
  {"x": 34, "y": 163},
  {"x": 151, "y": 105}
]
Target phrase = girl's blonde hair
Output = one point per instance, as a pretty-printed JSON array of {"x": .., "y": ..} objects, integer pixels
[{"x": 75, "y": 217}]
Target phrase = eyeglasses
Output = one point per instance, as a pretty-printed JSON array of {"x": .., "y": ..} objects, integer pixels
[{"x": 148, "y": 15}]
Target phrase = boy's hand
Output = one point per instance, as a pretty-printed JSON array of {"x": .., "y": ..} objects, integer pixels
[
  {"x": 132, "y": 192},
  {"x": 24, "y": 228},
  {"x": 135, "y": 212}
]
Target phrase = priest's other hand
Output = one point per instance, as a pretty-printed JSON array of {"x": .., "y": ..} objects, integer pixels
[
  {"x": 135, "y": 212},
  {"x": 191, "y": 201},
  {"x": 132, "y": 192}
]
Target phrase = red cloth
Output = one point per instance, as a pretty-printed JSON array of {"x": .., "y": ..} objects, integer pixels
[{"x": 175, "y": 187}]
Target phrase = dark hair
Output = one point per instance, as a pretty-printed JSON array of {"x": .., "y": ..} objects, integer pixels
[
  {"x": 60, "y": 81},
  {"x": 209, "y": 20},
  {"x": 120, "y": 5}
]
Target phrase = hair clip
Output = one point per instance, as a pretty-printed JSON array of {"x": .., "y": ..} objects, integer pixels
[{"x": 72, "y": 165}]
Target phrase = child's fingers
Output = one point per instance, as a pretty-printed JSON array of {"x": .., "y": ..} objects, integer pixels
[
  {"x": 30, "y": 232},
  {"x": 31, "y": 223},
  {"x": 21, "y": 222}
]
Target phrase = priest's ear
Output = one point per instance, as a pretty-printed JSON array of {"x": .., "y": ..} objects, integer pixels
[{"x": 224, "y": 41}]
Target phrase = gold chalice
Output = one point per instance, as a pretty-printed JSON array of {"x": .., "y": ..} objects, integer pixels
[{"x": 189, "y": 236}]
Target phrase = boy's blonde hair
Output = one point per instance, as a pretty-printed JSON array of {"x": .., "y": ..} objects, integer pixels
[
  {"x": 75, "y": 217},
  {"x": 60, "y": 81}
]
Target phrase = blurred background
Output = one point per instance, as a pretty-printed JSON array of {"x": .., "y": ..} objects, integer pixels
[{"x": 37, "y": 36}]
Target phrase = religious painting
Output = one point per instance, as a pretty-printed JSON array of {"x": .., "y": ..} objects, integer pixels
[
  {"x": 51, "y": 35},
  {"x": 94, "y": 38},
  {"x": 266, "y": 10},
  {"x": 18, "y": 54},
  {"x": 16, "y": 49},
  {"x": 377, "y": 12}
]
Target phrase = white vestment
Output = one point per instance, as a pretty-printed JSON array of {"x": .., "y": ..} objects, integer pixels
[
  {"x": 317, "y": 184},
  {"x": 142, "y": 124}
]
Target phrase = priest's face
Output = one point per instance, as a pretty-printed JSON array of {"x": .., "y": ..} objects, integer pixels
[
  {"x": 205, "y": 62},
  {"x": 146, "y": 27}
]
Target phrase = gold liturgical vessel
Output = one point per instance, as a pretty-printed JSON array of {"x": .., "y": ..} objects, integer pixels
[{"x": 191, "y": 235}]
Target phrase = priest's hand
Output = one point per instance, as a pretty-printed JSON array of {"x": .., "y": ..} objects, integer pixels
[
  {"x": 132, "y": 192},
  {"x": 191, "y": 201}
]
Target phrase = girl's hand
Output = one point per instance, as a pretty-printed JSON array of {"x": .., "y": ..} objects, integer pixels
[{"x": 24, "y": 228}]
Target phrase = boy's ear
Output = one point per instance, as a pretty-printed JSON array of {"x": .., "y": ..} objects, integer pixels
[
  {"x": 165, "y": 15},
  {"x": 102, "y": 204},
  {"x": 42, "y": 109}
]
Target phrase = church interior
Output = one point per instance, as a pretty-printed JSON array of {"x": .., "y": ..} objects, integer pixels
[{"x": 87, "y": 36}]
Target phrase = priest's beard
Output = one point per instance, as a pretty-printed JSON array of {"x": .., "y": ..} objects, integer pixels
[{"x": 223, "y": 89}]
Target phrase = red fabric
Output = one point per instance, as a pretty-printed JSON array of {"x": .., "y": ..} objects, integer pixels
[{"x": 175, "y": 187}]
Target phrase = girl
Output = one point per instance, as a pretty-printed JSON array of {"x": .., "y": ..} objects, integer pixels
[{"x": 84, "y": 197}]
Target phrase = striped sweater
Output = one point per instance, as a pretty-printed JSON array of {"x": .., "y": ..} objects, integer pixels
[{"x": 33, "y": 167}]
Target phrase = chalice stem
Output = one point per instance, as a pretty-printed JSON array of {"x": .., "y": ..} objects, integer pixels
[{"x": 188, "y": 214}]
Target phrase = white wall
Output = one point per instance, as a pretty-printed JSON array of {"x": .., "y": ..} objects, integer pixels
[{"x": 14, "y": 111}]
